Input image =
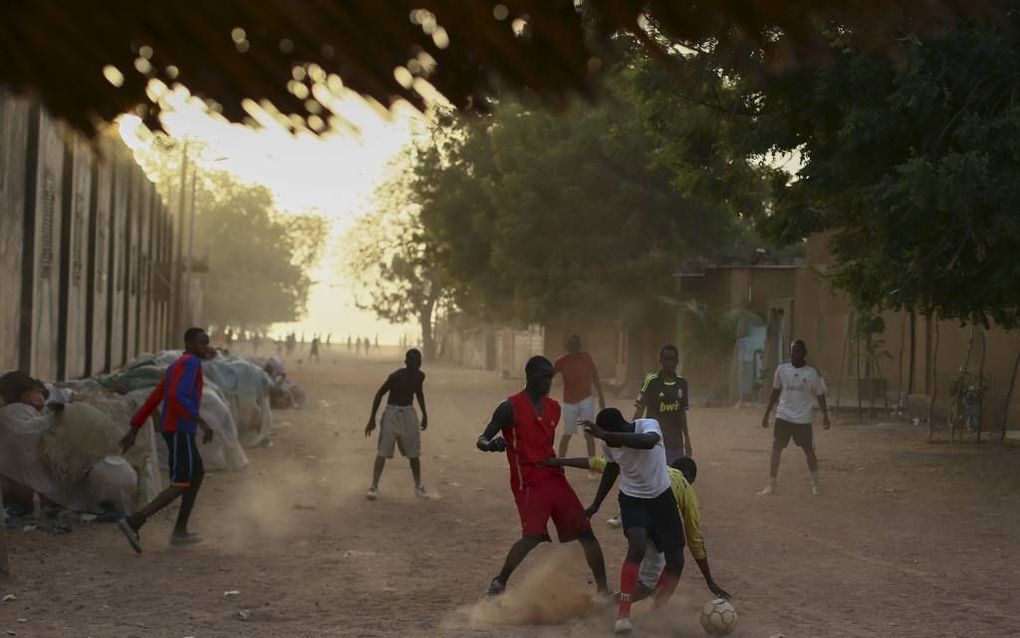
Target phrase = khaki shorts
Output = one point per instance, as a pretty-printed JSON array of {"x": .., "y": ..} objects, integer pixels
[{"x": 399, "y": 428}]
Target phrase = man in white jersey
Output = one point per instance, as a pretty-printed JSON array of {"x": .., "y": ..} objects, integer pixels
[
  {"x": 648, "y": 509},
  {"x": 795, "y": 386}
]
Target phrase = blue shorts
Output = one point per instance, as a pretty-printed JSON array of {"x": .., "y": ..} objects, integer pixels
[{"x": 185, "y": 461}]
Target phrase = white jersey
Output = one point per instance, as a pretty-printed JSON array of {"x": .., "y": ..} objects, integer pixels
[
  {"x": 643, "y": 473},
  {"x": 800, "y": 387}
]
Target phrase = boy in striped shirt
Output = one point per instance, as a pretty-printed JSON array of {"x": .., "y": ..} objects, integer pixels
[{"x": 180, "y": 392}]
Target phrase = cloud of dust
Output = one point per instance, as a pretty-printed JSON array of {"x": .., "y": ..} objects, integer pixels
[{"x": 546, "y": 591}]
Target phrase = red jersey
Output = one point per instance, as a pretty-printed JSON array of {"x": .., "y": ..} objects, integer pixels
[
  {"x": 180, "y": 390},
  {"x": 530, "y": 440},
  {"x": 579, "y": 373}
]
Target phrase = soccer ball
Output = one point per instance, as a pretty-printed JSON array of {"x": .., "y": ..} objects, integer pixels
[{"x": 718, "y": 617}]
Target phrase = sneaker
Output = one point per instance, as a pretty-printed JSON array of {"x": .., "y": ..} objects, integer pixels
[
  {"x": 496, "y": 587},
  {"x": 420, "y": 492},
  {"x": 185, "y": 539},
  {"x": 768, "y": 491},
  {"x": 130, "y": 533},
  {"x": 614, "y": 521},
  {"x": 816, "y": 490},
  {"x": 622, "y": 626},
  {"x": 372, "y": 494}
]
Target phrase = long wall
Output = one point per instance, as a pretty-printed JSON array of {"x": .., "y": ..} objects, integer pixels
[
  {"x": 84, "y": 250},
  {"x": 918, "y": 357}
]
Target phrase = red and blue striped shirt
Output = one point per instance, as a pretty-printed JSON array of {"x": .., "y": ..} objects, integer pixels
[{"x": 180, "y": 390}]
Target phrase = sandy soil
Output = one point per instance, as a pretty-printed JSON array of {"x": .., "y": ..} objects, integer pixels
[{"x": 909, "y": 539}]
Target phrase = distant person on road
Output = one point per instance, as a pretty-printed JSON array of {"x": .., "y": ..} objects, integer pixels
[
  {"x": 400, "y": 427},
  {"x": 314, "y": 353},
  {"x": 527, "y": 422},
  {"x": 579, "y": 376},
  {"x": 795, "y": 386},
  {"x": 180, "y": 392}
]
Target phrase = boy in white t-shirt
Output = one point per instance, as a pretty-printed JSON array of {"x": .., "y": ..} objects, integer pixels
[
  {"x": 648, "y": 509},
  {"x": 796, "y": 386}
]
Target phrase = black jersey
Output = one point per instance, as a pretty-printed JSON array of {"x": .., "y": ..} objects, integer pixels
[{"x": 665, "y": 401}]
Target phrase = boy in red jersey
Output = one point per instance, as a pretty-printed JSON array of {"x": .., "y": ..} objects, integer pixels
[
  {"x": 180, "y": 391},
  {"x": 579, "y": 376},
  {"x": 528, "y": 421}
]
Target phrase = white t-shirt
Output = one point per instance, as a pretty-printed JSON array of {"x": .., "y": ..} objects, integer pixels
[
  {"x": 800, "y": 387},
  {"x": 643, "y": 473}
]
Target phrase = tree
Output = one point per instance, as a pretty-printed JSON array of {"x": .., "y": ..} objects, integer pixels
[
  {"x": 537, "y": 216},
  {"x": 393, "y": 265},
  {"x": 258, "y": 257},
  {"x": 907, "y": 161}
]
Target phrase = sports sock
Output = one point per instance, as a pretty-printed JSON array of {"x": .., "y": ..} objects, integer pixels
[
  {"x": 628, "y": 583},
  {"x": 667, "y": 584},
  {"x": 814, "y": 477}
]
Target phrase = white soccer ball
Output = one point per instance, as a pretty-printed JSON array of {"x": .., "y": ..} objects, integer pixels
[{"x": 718, "y": 617}]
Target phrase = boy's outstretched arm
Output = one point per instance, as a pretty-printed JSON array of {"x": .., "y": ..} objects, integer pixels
[
  {"x": 383, "y": 389},
  {"x": 639, "y": 441},
  {"x": 707, "y": 573},
  {"x": 608, "y": 479},
  {"x": 502, "y": 418},
  {"x": 581, "y": 462}
]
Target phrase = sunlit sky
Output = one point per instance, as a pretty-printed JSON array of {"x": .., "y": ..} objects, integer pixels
[{"x": 335, "y": 174}]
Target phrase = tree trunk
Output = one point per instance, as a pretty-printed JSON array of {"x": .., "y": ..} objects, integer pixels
[
  {"x": 842, "y": 361},
  {"x": 1009, "y": 396},
  {"x": 962, "y": 379},
  {"x": 857, "y": 356},
  {"x": 913, "y": 352},
  {"x": 899, "y": 373},
  {"x": 981, "y": 381},
  {"x": 428, "y": 340},
  {"x": 935, "y": 382}
]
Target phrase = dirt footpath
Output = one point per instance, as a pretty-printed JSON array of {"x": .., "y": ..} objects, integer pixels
[{"x": 909, "y": 539}]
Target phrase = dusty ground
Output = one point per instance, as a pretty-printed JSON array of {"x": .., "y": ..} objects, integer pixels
[{"x": 910, "y": 539}]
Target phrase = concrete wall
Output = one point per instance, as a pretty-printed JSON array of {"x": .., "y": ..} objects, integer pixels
[
  {"x": 14, "y": 136},
  {"x": 824, "y": 319},
  {"x": 84, "y": 240},
  {"x": 41, "y": 305}
]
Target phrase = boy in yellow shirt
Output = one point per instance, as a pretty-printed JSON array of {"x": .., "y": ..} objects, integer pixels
[{"x": 682, "y": 473}]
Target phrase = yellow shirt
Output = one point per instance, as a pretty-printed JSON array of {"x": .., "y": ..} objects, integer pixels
[{"x": 686, "y": 501}]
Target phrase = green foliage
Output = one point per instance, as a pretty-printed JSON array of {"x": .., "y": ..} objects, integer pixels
[
  {"x": 392, "y": 263},
  {"x": 706, "y": 334},
  {"x": 537, "y": 216},
  {"x": 258, "y": 257},
  {"x": 908, "y": 161}
]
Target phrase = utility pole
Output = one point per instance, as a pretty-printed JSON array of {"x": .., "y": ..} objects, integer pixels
[
  {"x": 191, "y": 246},
  {"x": 177, "y": 293}
]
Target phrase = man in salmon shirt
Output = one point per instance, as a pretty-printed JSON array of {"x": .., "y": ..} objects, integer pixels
[
  {"x": 579, "y": 375},
  {"x": 180, "y": 392},
  {"x": 527, "y": 421}
]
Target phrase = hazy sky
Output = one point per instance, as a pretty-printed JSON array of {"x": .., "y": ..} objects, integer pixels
[{"x": 335, "y": 174}]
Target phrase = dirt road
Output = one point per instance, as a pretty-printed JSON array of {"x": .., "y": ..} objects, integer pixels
[{"x": 909, "y": 539}]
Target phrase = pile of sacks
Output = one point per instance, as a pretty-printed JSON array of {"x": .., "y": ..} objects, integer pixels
[
  {"x": 283, "y": 393},
  {"x": 69, "y": 454},
  {"x": 235, "y": 401},
  {"x": 69, "y": 451}
]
